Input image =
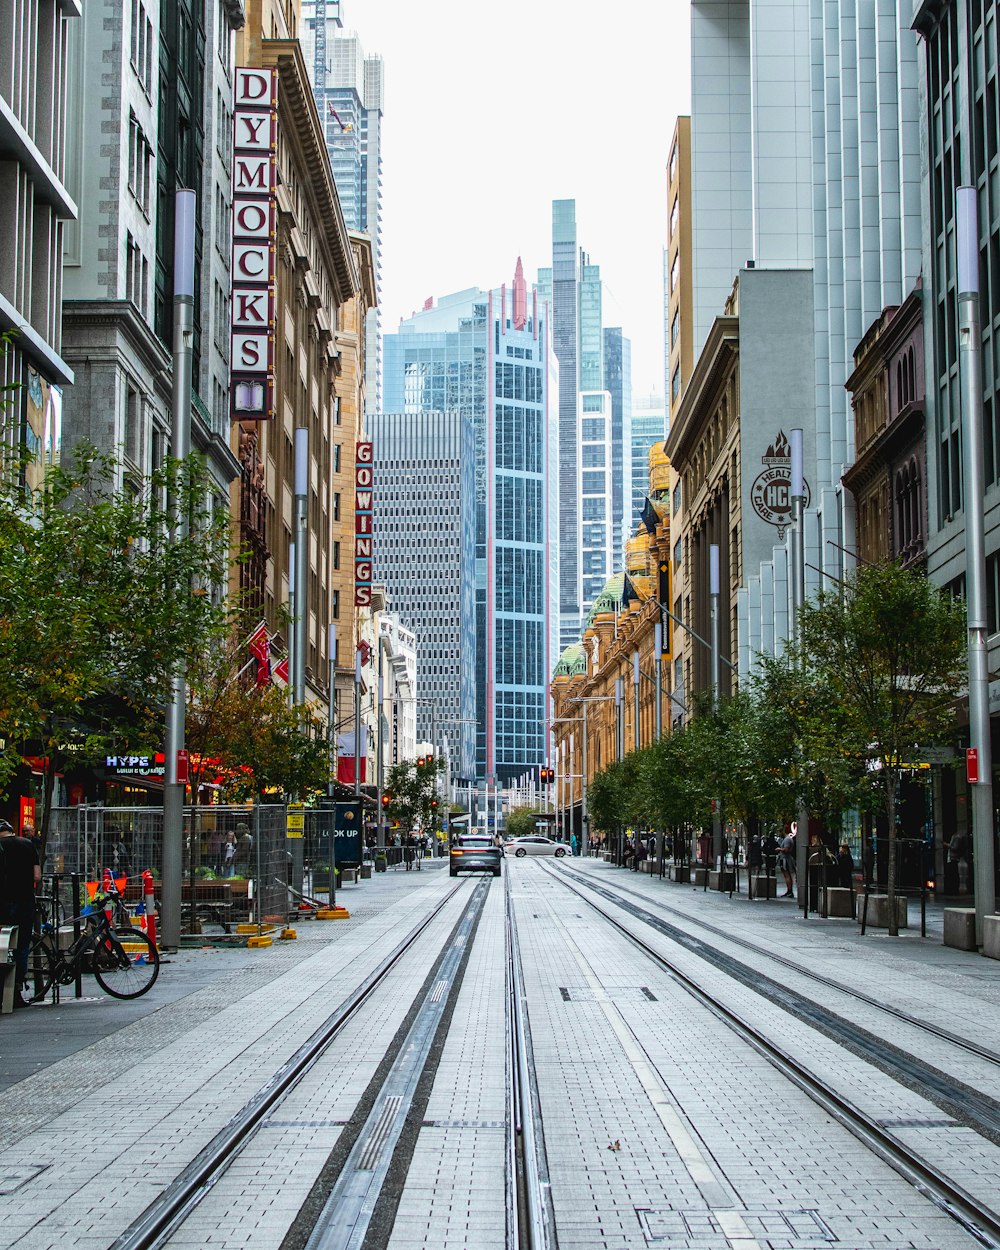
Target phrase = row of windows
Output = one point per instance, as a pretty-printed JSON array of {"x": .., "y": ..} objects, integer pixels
[
  {"x": 521, "y": 353},
  {"x": 140, "y": 164},
  {"x": 520, "y": 652},
  {"x": 141, "y": 54},
  {"x": 518, "y": 382},
  {"x": 519, "y": 510},
  {"x": 518, "y": 438},
  {"x": 520, "y": 581}
]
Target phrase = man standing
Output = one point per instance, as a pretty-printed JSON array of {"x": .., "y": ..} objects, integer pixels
[{"x": 19, "y": 875}]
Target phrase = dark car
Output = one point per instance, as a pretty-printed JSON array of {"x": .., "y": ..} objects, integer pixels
[{"x": 474, "y": 852}]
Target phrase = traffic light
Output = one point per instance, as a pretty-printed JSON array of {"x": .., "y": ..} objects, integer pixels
[
  {"x": 420, "y": 761},
  {"x": 386, "y": 800},
  {"x": 547, "y": 775}
]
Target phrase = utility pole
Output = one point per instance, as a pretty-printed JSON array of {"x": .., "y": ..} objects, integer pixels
[
  {"x": 174, "y": 779},
  {"x": 658, "y": 671},
  {"x": 636, "y": 729},
  {"x": 331, "y": 707},
  {"x": 797, "y": 573},
  {"x": 969, "y": 343},
  {"x": 713, "y": 595},
  {"x": 357, "y": 722}
]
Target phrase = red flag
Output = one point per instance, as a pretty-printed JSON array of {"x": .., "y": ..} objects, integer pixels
[
  {"x": 257, "y": 643},
  {"x": 281, "y": 670}
]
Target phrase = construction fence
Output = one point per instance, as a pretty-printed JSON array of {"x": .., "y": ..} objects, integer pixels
[{"x": 238, "y": 861}]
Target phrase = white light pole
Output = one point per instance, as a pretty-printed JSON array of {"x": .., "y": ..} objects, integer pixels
[
  {"x": 713, "y": 596},
  {"x": 969, "y": 343},
  {"x": 796, "y": 556},
  {"x": 185, "y": 203}
]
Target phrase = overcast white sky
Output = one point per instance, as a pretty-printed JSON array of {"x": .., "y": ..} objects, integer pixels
[{"x": 494, "y": 109}]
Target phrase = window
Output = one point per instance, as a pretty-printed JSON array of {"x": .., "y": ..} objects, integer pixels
[
  {"x": 675, "y": 272},
  {"x": 675, "y": 329},
  {"x": 336, "y": 555},
  {"x": 593, "y": 403},
  {"x": 140, "y": 163},
  {"x": 132, "y": 415},
  {"x": 673, "y": 218},
  {"x": 675, "y": 383},
  {"x": 593, "y": 429},
  {"x": 672, "y": 175}
]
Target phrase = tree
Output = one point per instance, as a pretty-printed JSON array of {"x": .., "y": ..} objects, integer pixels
[
  {"x": 520, "y": 821},
  {"x": 98, "y": 609},
  {"x": 250, "y": 734},
  {"x": 412, "y": 789},
  {"x": 891, "y": 648}
]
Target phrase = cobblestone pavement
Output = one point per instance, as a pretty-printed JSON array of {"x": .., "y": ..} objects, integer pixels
[{"x": 662, "y": 1128}]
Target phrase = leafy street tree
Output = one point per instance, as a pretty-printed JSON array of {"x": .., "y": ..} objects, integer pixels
[
  {"x": 891, "y": 649},
  {"x": 250, "y": 735},
  {"x": 97, "y": 609},
  {"x": 520, "y": 821},
  {"x": 412, "y": 788}
]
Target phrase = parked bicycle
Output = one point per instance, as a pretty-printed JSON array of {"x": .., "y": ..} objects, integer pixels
[{"x": 124, "y": 961}]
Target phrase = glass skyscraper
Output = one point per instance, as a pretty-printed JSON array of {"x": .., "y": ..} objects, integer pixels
[
  {"x": 618, "y": 384},
  {"x": 649, "y": 426},
  {"x": 425, "y": 534},
  {"x": 486, "y": 355}
]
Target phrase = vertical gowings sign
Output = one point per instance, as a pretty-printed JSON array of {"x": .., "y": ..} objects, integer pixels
[
  {"x": 363, "y": 525},
  {"x": 254, "y": 183}
]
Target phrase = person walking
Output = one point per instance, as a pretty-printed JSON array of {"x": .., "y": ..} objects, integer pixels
[
  {"x": 244, "y": 847},
  {"x": 20, "y": 874},
  {"x": 958, "y": 857},
  {"x": 786, "y": 861}
]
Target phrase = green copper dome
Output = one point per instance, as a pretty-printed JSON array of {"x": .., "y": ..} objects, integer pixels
[
  {"x": 572, "y": 662},
  {"x": 609, "y": 600}
]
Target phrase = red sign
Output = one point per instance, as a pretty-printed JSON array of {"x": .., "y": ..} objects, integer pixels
[
  {"x": 27, "y": 821},
  {"x": 972, "y": 766},
  {"x": 182, "y": 768},
  {"x": 364, "y": 518}
]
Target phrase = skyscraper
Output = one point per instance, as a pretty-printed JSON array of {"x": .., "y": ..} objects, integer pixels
[
  {"x": 649, "y": 427},
  {"x": 618, "y": 384},
  {"x": 487, "y": 356},
  {"x": 349, "y": 91},
  {"x": 425, "y": 557}
]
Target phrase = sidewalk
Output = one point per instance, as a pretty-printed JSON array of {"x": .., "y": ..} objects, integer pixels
[{"x": 32, "y": 1040}]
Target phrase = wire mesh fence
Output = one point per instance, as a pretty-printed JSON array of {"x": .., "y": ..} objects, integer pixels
[{"x": 236, "y": 859}]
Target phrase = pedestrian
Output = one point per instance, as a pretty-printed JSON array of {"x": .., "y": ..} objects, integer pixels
[
  {"x": 640, "y": 853},
  {"x": 786, "y": 861},
  {"x": 20, "y": 874},
  {"x": 845, "y": 867},
  {"x": 123, "y": 861},
  {"x": 958, "y": 855},
  {"x": 229, "y": 855},
  {"x": 573, "y": 844},
  {"x": 216, "y": 848},
  {"x": 244, "y": 846},
  {"x": 819, "y": 859},
  {"x": 755, "y": 856}
]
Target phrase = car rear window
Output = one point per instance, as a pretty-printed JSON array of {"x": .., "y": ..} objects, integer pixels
[{"x": 476, "y": 844}]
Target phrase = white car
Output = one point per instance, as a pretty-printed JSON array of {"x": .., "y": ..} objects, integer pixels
[{"x": 536, "y": 845}]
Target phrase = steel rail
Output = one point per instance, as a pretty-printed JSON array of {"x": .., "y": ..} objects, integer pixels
[
  {"x": 978, "y": 1220},
  {"x": 945, "y": 1035},
  {"x": 538, "y": 1223},
  {"x": 166, "y": 1212}
]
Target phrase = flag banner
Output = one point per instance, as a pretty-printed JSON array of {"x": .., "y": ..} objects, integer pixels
[
  {"x": 281, "y": 671},
  {"x": 257, "y": 643},
  {"x": 345, "y": 757}
]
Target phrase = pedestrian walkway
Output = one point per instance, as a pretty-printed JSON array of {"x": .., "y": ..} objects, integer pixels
[{"x": 952, "y": 989}]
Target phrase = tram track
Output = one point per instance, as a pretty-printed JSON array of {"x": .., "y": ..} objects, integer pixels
[
  {"x": 963, "y": 1043},
  {"x": 974, "y": 1216},
  {"x": 154, "y": 1227}
]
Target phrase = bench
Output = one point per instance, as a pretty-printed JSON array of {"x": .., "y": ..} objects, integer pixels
[
  {"x": 348, "y": 876},
  {"x": 8, "y": 971},
  {"x": 839, "y": 901},
  {"x": 878, "y": 911}
]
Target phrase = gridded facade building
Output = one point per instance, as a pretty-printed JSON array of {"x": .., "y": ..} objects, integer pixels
[
  {"x": 649, "y": 427},
  {"x": 425, "y": 557},
  {"x": 486, "y": 354}
]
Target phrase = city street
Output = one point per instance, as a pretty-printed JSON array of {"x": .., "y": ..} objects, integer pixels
[{"x": 650, "y": 1115}]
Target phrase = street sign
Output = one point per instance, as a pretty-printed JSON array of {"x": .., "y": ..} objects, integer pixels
[
  {"x": 972, "y": 766},
  {"x": 295, "y": 820}
]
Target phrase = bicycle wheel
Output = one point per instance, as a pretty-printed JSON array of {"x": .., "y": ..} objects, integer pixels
[
  {"x": 127, "y": 966},
  {"x": 41, "y": 967}
]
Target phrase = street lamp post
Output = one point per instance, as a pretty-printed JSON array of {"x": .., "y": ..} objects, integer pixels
[
  {"x": 174, "y": 785},
  {"x": 796, "y": 553},
  {"x": 713, "y": 595},
  {"x": 969, "y": 341},
  {"x": 357, "y": 722}
]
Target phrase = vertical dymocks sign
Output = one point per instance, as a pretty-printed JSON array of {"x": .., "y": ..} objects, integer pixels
[
  {"x": 363, "y": 519},
  {"x": 254, "y": 211}
]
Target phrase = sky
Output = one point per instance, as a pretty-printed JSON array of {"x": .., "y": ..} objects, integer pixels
[{"x": 493, "y": 110}]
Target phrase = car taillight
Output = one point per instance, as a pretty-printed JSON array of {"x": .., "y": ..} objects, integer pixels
[{"x": 455, "y": 851}]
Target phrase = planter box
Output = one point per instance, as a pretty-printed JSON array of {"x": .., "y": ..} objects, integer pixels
[
  {"x": 991, "y": 937},
  {"x": 764, "y": 887},
  {"x": 366, "y": 872},
  {"x": 960, "y": 928},
  {"x": 878, "y": 911},
  {"x": 680, "y": 872},
  {"x": 838, "y": 901},
  {"x": 699, "y": 876},
  {"x": 723, "y": 881}
]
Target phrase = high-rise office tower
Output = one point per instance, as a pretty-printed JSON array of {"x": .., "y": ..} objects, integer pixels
[
  {"x": 599, "y": 556},
  {"x": 649, "y": 427},
  {"x": 486, "y": 355},
  {"x": 349, "y": 91},
  {"x": 618, "y": 384},
  {"x": 425, "y": 532},
  {"x": 678, "y": 322}
]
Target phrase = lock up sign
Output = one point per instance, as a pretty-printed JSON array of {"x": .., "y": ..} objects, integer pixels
[{"x": 255, "y": 125}]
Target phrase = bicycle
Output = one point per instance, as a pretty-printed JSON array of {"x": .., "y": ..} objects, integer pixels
[{"x": 124, "y": 961}]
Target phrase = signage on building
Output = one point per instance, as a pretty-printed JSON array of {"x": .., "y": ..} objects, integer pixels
[
  {"x": 255, "y": 133},
  {"x": 363, "y": 526},
  {"x": 771, "y": 493}
]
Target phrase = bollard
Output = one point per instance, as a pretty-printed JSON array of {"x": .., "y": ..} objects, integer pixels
[{"x": 149, "y": 901}]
